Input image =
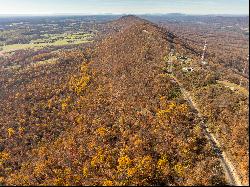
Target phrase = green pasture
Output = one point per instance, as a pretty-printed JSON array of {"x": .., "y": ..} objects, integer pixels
[{"x": 50, "y": 40}]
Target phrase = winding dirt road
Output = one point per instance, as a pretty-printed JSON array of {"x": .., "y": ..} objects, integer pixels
[{"x": 230, "y": 171}]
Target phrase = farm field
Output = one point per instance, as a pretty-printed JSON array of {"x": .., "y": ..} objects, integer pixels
[{"x": 50, "y": 40}]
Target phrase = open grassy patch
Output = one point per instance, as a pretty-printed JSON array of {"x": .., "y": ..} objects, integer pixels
[
  {"x": 234, "y": 87},
  {"x": 51, "y": 40}
]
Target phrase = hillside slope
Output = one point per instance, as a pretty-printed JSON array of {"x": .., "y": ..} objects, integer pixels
[{"x": 106, "y": 115}]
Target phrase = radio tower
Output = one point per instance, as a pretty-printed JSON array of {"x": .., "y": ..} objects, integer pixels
[
  {"x": 170, "y": 62},
  {"x": 244, "y": 69},
  {"x": 203, "y": 54}
]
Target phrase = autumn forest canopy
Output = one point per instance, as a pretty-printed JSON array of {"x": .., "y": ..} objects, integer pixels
[{"x": 124, "y": 100}]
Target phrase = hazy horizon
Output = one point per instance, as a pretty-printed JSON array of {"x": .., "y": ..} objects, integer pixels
[
  {"x": 110, "y": 14},
  {"x": 119, "y": 7}
]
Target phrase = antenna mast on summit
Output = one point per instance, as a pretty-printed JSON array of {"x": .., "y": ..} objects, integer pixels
[
  {"x": 203, "y": 54},
  {"x": 244, "y": 69}
]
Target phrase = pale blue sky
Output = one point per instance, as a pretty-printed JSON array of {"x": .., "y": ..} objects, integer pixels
[{"x": 124, "y": 6}]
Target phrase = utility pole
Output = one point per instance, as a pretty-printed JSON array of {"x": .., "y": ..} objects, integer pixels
[
  {"x": 244, "y": 69},
  {"x": 203, "y": 54}
]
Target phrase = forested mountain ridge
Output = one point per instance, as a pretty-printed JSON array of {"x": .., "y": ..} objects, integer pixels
[{"x": 109, "y": 114}]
